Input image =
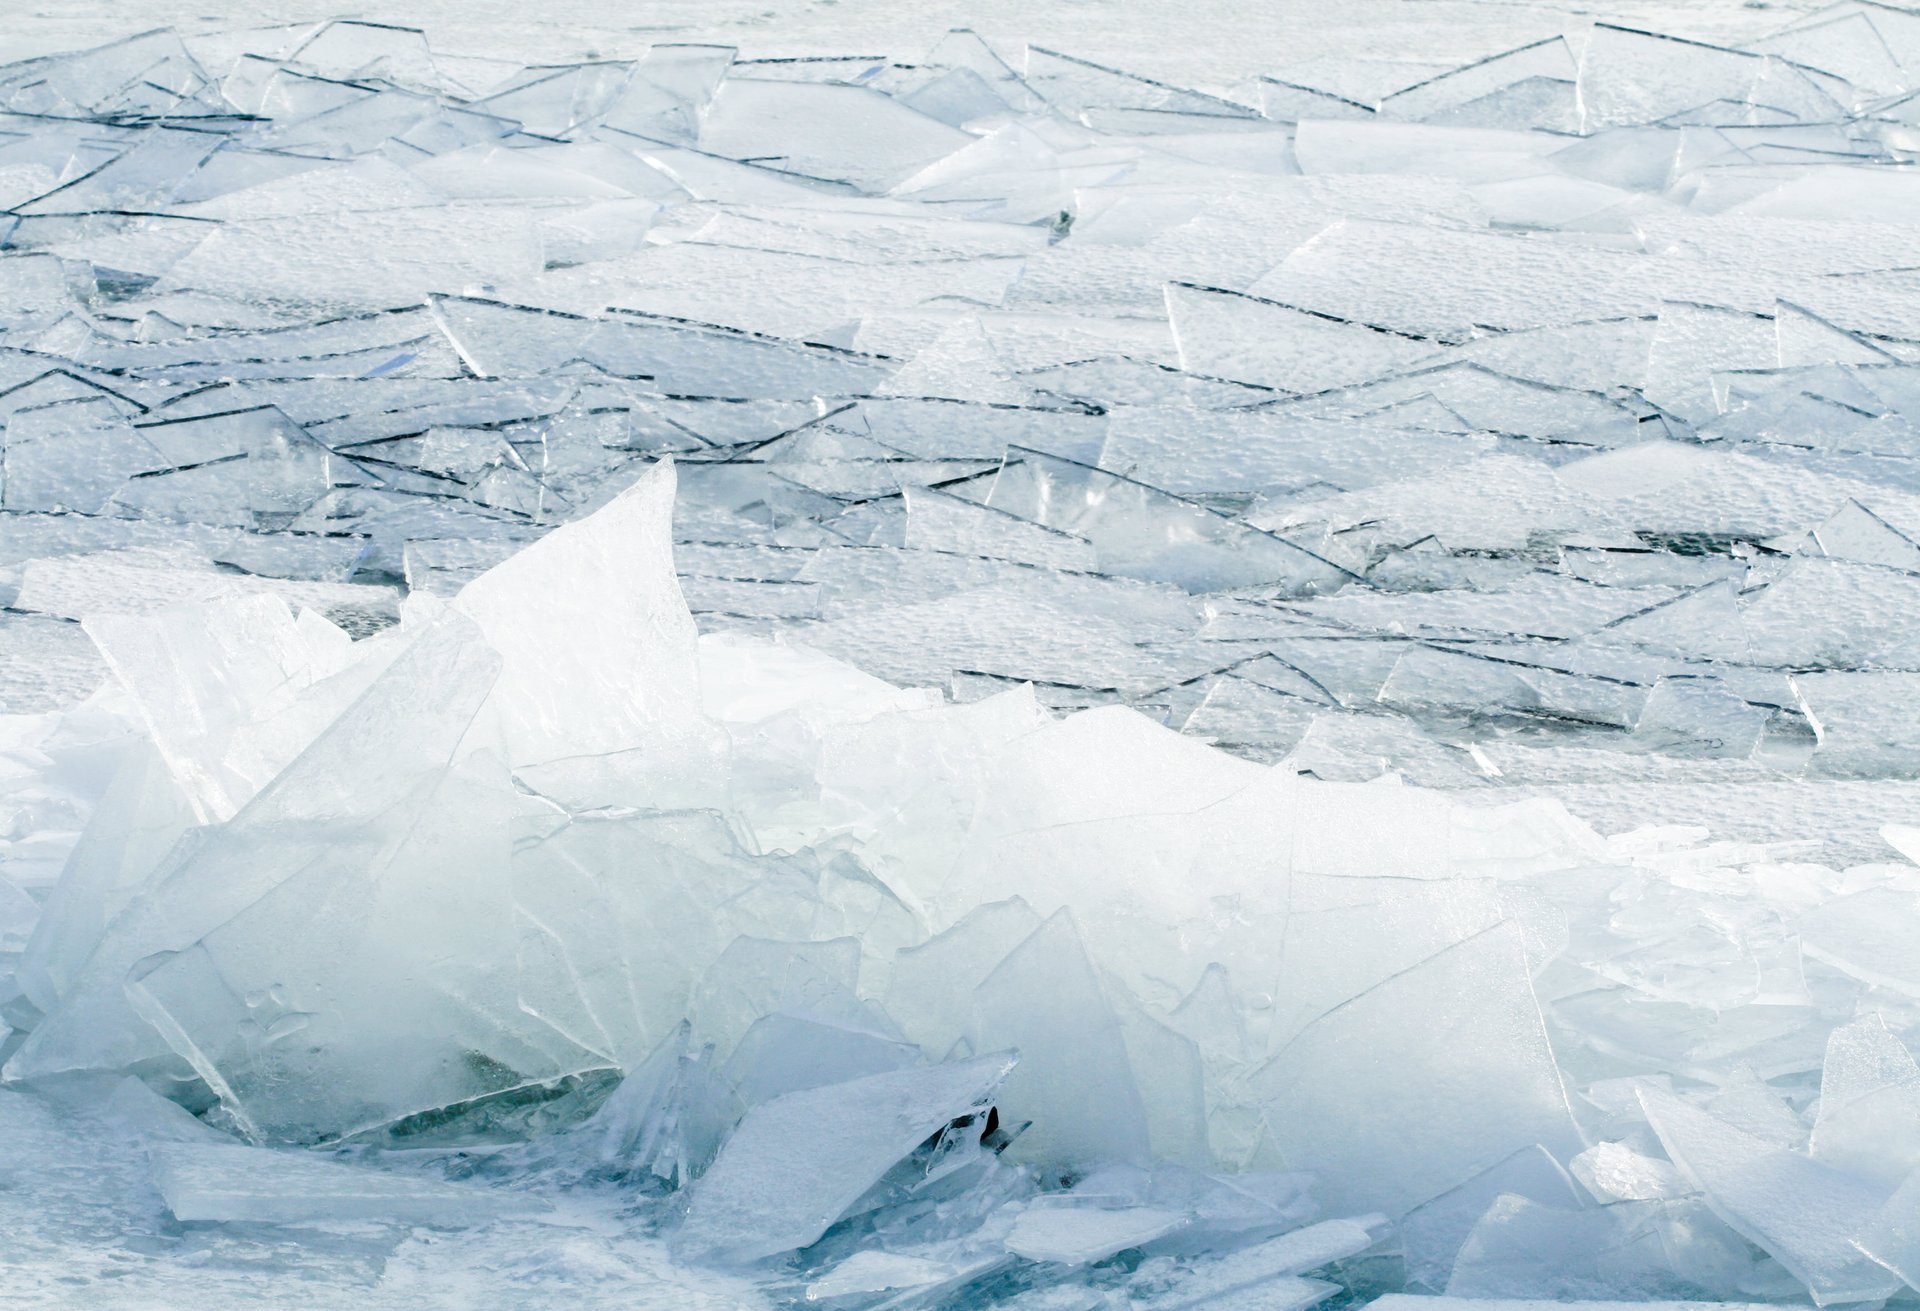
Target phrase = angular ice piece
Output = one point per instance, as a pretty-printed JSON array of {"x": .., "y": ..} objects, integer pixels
[
  {"x": 1468, "y": 1076},
  {"x": 668, "y": 1116},
  {"x": 1469, "y": 94},
  {"x": 1853, "y": 532},
  {"x": 1803, "y": 337},
  {"x": 1078, "y": 85},
  {"x": 959, "y": 364},
  {"x": 1869, "y": 1111},
  {"x": 1439, "y": 282},
  {"x": 349, "y": 49},
  {"x": 1348, "y": 934},
  {"x": 1224, "y": 334},
  {"x": 212, "y": 679},
  {"x": 796, "y": 1163},
  {"x": 1806, "y": 1215},
  {"x": 598, "y": 650},
  {"x": 1868, "y": 935},
  {"x": 1431, "y": 1235},
  {"x": 1629, "y": 77},
  {"x": 1893, "y": 1237},
  {"x": 871, "y": 1271},
  {"x": 1615, "y": 1172},
  {"x": 846, "y": 133},
  {"x": 939, "y": 522},
  {"x": 70, "y": 456},
  {"x": 1168, "y": 1072},
  {"x": 930, "y": 990},
  {"x": 1074, "y": 1081},
  {"x": 668, "y": 91},
  {"x": 1684, "y": 716},
  {"x": 785, "y": 1053},
  {"x": 1077, "y": 1235},
  {"x": 1694, "y": 341},
  {"x": 254, "y": 1185},
  {"x": 367, "y": 259},
  {"x": 136, "y": 822},
  {"x": 1139, "y": 531},
  {"x": 1703, "y": 624},
  {"x": 756, "y": 977}
]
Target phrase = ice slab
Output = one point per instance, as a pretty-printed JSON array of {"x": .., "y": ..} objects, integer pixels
[
  {"x": 796, "y": 1163},
  {"x": 1805, "y": 1214},
  {"x": 1468, "y": 1039},
  {"x": 1076, "y": 1235}
]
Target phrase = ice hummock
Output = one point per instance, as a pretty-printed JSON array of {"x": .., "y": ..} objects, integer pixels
[{"x": 960, "y": 680}]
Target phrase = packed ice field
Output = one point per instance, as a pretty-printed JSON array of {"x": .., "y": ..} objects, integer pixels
[{"x": 960, "y": 678}]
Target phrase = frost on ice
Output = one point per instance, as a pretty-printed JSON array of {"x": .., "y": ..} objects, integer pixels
[{"x": 967, "y": 680}]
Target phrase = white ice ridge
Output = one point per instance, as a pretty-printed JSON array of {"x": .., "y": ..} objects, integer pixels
[{"x": 958, "y": 681}]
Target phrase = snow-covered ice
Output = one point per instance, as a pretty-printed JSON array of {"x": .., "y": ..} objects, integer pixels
[{"x": 964, "y": 677}]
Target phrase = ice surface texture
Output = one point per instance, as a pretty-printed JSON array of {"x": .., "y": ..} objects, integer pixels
[{"x": 967, "y": 680}]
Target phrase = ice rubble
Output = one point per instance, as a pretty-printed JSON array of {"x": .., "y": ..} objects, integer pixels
[{"x": 939, "y": 682}]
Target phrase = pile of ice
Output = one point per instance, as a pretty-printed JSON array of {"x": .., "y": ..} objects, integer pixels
[{"x": 1092, "y": 792}]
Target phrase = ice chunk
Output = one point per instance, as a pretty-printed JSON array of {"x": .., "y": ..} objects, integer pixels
[
  {"x": 938, "y": 522},
  {"x": 796, "y": 1163},
  {"x": 847, "y": 133},
  {"x": 137, "y": 821},
  {"x": 222, "y": 685},
  {"x": 930, "y": 990},
  {"x": 309, "y": 1011}
]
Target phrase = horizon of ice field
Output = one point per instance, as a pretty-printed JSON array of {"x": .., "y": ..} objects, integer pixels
[{"x": 1053, "y": 657}]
